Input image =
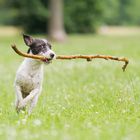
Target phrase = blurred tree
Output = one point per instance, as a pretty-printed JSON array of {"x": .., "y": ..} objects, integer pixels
[
  {"x": 32, "y": 16},
  {"x": 7, "y": 13},
  {"x": 133, "y": 12},
  {"x": 82, "y": 16},
  {"x": 121, "y": 12},
  {"x": 2, "y": 2},
  {"x": 123, "y": 15},
  {"x": 111, "y": 12},
  {"x": 56, "y": 24},
  {"x": 79, "y": 16}
]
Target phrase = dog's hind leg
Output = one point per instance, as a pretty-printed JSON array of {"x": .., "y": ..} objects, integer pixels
[
  {"x": 19, "y": 97},
  {"x": 28, "y": 98},
  {"x": 33, "y": 104}
]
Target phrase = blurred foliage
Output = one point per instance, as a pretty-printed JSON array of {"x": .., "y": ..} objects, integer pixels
[
  {"x": 32, "y": 15},
  {"x": 121, "y": 12},
  {"x": 7, "y": 13},
  {"x": 82, "y": 16}
]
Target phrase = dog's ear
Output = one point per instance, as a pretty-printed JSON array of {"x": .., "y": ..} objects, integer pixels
[{"x": 28, "y": 39}]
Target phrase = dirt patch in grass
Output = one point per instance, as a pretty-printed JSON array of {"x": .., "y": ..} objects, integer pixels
[
  {"x": 104, "y": 30},
  {"x": 119, "y": 30},
  {"x": 9, "y": 30}
]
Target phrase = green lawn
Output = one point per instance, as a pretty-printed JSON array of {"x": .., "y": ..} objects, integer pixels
[{"x": 80, "y": 100}]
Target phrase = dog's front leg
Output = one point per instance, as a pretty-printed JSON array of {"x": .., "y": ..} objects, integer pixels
[
  {"x": 33, "y": 103},
  {"x": 19, "y": 97},
  {"x": 26, "y": 100}
]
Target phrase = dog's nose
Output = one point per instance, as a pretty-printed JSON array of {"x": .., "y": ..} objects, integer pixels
[{"x": 52, "y": 55}]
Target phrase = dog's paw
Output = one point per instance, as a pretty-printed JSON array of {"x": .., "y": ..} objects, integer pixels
[
  {"x": 21, "y": 105},
  {"x": 20, "y": 108}
]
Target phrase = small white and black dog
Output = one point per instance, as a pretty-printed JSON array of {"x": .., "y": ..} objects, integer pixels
[{"x": 29, "y": 77}]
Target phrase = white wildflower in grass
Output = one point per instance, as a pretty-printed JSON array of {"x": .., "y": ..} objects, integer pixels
[
  {"x": 124, "y": 111},
  {"x": 89, "y": 125},
  {"x": 52, "y": 113},
  {"x": 54, "y": 132},
  {"x": 25, "y": 134},
  {"x": 92, "y": 106},
  {"x": 66, "y": 125},
  {"x": 97, "y": 112},
  {"x": 12, "y": 104},
  {"x": 11, "y": 133},
  {"x": 63, "y": 108},
  {"x": 37, "y": 122},
  {"x": 23, "y": 121},
  {"x": 120, "y": 100},
  {"x": 18, "y": 122},
  {"x": 22, "y": 112}
]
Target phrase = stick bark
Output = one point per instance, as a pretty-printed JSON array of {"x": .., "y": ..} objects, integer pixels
[{"x": 62, "y": 57}]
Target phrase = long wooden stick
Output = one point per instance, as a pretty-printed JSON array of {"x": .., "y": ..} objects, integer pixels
[{"x": 87, "y": 57}]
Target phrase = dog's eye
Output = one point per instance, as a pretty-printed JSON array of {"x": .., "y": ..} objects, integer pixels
[{"x": 43, "y": 46}]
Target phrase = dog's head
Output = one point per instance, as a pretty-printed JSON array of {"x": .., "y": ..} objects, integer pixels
[{"x": 39, "y": 47}]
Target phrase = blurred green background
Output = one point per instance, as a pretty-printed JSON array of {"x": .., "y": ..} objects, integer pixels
[{"x": 81, "y": 16}]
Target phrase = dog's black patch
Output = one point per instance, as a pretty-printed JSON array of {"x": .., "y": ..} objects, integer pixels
[
  {"x": 28, "y": 50},
  {"x": 38, "y": 46}
]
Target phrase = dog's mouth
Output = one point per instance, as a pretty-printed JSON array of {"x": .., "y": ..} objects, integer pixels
[{"x": 47, "y": 60}]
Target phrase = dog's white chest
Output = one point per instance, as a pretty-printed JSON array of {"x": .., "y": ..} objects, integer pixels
[{"x": 29, "y": 75}]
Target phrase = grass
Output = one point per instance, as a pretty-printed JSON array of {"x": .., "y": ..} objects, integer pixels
[{"x": 80, "y": 100}]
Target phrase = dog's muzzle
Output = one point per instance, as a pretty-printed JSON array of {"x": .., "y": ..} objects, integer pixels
[{"x": 49, "y": 58}]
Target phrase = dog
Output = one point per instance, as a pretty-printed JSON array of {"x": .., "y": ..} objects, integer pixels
[{"x": 29, "y": 76}]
